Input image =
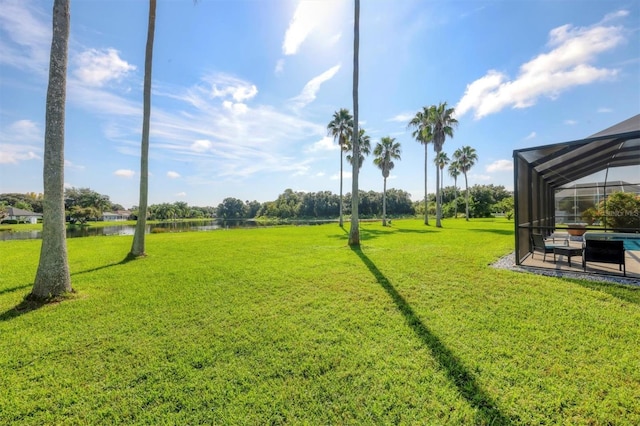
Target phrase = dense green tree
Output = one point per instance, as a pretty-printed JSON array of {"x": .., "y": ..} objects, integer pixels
[
  {"x": 621, "y": 211},
  {"x": 252, "y": 208},
  {"x": 86, "y": 197},
  {"x": 466, "y": 158},
  {"x": 52, "y": 277},
  {"x": 231, "y": 208},
  {"x": 385, "y": 152},
  {"x": 138, "y": 246},
  {"x": 423, "y": 134},
  {"x": 340, "y": 128},
  {"x": 13, "y": 199}
]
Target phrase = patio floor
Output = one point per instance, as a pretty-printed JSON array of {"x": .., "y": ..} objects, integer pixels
[{"x": 561, "y": 264}]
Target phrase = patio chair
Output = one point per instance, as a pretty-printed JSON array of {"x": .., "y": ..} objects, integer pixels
[
  {"x": 605, "y": 251},
  {"x": 538, "y": 244}
]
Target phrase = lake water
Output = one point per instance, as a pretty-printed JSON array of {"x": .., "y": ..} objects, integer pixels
[{"x": 182, "y": 226}]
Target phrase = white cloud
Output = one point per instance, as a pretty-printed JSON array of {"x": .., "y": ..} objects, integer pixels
[
  {"x": 26, "y": 40},
  {"x": 570, "y": 122},
  {"x": 605, "y": 110},
  {"x": 98, "y": 67},
  {"x": 235, "y": 108},
  {"x": 13, "y": 154},
  {"x": 21, "y": 140},
  {"x": 124, "y": 173},
  {"x": 279, "y": 66},
  {"x": 530, "y": 136},
  {"x": 403, "y": 117},
  {"x": 173, "y": 175},
  {"x": 345, "y": 175},
  {"x": 566, "y": 65},
  {"x": 324, "y": 144},
  {"x": 224, "y": 86},
  {"x": 483, "y": 178},
  {"x": 500, "y": 166},
  {"x": 69, "y": 164},
  {"x": 181, "y": 194},
  {"x": 310, "y": 16},
  {"x": 201, "y": 145},
  {"x": 310, "y": 89}
]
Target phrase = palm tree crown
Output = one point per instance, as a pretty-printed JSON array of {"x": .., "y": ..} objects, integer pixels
[
  {"x": 364, "y": 147},
  {"x": 423, "y": 134},
  {"x": 385, "y": 152},
  {"x": 340, "y": 128},
  {"x": 466, "y": 158}
]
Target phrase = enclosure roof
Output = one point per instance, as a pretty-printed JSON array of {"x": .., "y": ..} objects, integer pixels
[{"x": 565, "y": 162}]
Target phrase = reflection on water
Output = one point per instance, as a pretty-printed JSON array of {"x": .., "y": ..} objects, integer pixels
[{"x": 182, "y": 226}]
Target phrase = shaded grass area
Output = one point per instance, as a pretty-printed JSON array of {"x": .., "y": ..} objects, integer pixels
[{"x": 290, "y": 325}]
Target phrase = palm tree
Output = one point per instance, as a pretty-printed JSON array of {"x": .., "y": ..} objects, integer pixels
[
  {"x": 454, "y": 172},
  {"x": 442, "y": 123},
  {"x": 52, "y": 277},
  {"x": 422, "y": 134},
  {"x": 386, "y": 151},
  {"x": 365, "y": 148},
  {"x": 354, "y": 233},
  {"x": 340, "y": 128},
  {"x": 466, "y": 158},
  {"x": 441, "y": 160},
  {"x": 138, "y": 248}
]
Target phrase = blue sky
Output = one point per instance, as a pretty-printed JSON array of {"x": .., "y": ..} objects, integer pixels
[{"x": 243, "y": 90}]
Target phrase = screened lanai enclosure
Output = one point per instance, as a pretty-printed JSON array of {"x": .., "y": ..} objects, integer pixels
[{"x": 590, "y": 185}]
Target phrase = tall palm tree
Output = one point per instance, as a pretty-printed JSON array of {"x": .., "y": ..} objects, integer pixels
[
  {"x": 365, "y": 148},
  {"x": 441, "y": 160},
  {"x": 354, "y": 233},
  {"x": 442, "y": 124},
  {"x": 340, "y": 128},
  {"x": 422, "y": 134},
  {"x": 466, "y": 158},
  {"x": 52, "y": 277},
  {"x": 454, "y": 172},
  {"x": 138, "y": 247},
  {"x": 385, "y": 152}
]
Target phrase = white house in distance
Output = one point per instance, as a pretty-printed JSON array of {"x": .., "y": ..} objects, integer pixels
[
  {"x": 117, "y": 216},
  {"x": 22, "y": 215}
]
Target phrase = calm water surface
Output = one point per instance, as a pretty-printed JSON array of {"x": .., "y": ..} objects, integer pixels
[{"x": 183, "y": 226}]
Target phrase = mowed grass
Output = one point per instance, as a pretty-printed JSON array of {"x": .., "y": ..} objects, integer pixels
[{"x": 289, "y": 325}]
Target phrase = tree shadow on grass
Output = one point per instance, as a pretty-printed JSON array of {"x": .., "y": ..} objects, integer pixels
[
  {"x": 488, "y": 412},
  {"x": 625, "y": 292},
  {"x": 22, "y": 308},
  {"x": 127, "y": 259},
  {"x": 27, "y": 305},
  {"x": 12, "y": 289}
]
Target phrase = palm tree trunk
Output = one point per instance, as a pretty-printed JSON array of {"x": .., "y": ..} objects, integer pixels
[
  {"x": 341, "y": 224},
  {"x": 466, "y": 185},
  {"x": 138, "y": 246},
  {"x": 53, "y": 278},
  {"x": 455, "y": 196},
  {"x": 426, "y": 196},
  {"x": 384, "y": 203},
  {"x": 354, "y": 234},
  {"x": 438, "y": 212}
]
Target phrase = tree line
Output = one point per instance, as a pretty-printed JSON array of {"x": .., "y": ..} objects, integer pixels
[{"x": 84, "y": 204}]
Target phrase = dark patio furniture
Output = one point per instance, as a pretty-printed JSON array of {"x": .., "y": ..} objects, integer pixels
[
  {"x": 566, "y": 251},
  {"x": 538, "y": 244},
  {"x": 604, "y": 251}
]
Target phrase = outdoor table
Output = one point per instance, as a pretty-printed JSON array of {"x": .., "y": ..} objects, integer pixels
[{"x": 566, "y": 251}]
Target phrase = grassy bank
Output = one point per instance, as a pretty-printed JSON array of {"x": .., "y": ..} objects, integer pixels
[{"x": 290, "y": 325}]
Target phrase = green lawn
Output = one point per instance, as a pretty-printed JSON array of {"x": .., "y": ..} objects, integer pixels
[{"x": 288, "y": 325}]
